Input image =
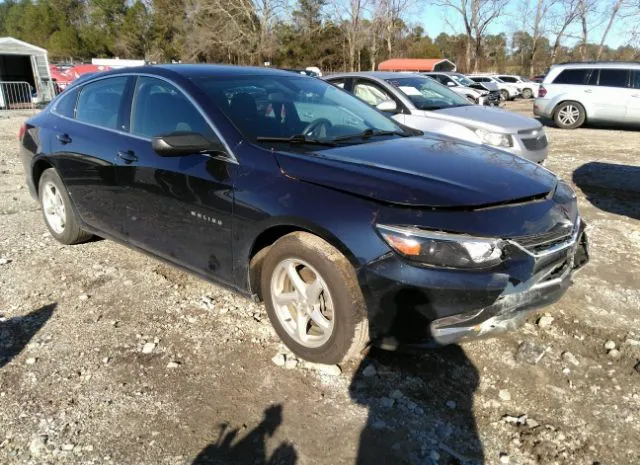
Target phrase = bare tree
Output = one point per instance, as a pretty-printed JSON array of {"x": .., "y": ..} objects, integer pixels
[
  {"x": 243, "y": 28},
  {"x": 538, "y": 28},
  {"x": 620, "y": 9},
  {"x": 477, "y": 16},
  {"x": 565, "y": 15},
  {"x": 351, "y": 13}
]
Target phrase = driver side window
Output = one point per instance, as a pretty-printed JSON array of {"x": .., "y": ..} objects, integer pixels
[{"x": 370, "y": 93}]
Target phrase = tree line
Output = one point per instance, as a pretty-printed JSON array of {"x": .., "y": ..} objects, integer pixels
[{"x": 333, "y": 35}]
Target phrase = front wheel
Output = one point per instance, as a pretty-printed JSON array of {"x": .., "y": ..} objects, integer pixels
[
  {"x": 504, "y": 95},
  {"x": 58, "y": 211},
  {"x": 313, "y": 299},
  {"x": 569, "y": 115}
]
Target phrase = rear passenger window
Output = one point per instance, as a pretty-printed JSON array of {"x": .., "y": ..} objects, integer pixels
[
  {"x": 159, "y": 108},
  {"x": 66, "y": 106},
  {"x": 636, "y": 81},
  {"x": 613, "y": 77},
  {"x": 100, "y": 101},
  {"x": 572, "y": 76}
]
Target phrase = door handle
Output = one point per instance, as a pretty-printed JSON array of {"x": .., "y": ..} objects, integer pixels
[
  {"x": 588, "y": 91},
  {"x": 63, "y": 138},
  {"x": 635, "y": 95},
  {"x": 128, "y": 156}
]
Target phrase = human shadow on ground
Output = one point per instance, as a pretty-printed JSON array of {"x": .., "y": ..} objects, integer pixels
[
  {"x": 611, "y": 187},
  {"x": 251, "y": 449},
  {"x": 15, "y": 333},
  {"x": 420, "y": 408}
]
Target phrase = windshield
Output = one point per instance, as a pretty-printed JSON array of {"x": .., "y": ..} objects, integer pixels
[
  {"x": 462, "y": 80},
  {"x": 295, "y": 109},
  {"x": 427, "y": 94}
]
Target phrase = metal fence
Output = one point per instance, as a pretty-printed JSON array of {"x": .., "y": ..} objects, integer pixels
[{"x": 16, "y": 96}]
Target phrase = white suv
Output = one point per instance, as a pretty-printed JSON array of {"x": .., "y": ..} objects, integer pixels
[{"x": 607, "y": 92}]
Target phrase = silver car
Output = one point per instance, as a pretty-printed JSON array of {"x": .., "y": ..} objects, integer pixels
[
  {"x": 422, "y": 103},
  {"x": 573, "y": 93}
]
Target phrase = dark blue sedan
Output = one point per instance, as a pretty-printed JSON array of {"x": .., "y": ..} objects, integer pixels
[{"x": 351, "y": 227}]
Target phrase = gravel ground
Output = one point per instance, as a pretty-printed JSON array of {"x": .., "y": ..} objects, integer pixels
[{"x": 108, "y": 356}]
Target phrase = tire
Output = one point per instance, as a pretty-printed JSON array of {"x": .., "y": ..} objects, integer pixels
[
  {"x": 504, "y": 95},
  {"x": 569, "y": 115},
  {"x": 340, "y": 297},
  {"x": 527, "y": 93},
  {"x": 57, "y": 210}
]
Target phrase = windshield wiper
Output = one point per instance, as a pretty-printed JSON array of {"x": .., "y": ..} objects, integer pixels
[
  {"x": 367, "y": 133},
  {"x": 297, "y": 139}
]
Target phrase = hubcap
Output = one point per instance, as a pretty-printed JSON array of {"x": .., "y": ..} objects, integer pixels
[
  {"x": 53, "y": 206},
  {"x": 569, "y": 115},
  {"x": 302, "y": 302}
]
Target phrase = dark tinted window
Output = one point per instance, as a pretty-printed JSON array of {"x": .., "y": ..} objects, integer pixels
[
  {"x": 100, "y": 102},
  {"x": 636, "y": 81},
  {"x": 338, "y": 82},
  {"x": 508, "y": 79},
  {"x": 572, "y": 76},
  {"x": 593, "y": 79},
  {"x": 613, "y": 77},
  {"x": 66, "y": 106},
  {"x": 160, "y": 108}
]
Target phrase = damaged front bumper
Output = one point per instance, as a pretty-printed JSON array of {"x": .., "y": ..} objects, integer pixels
[
  {"x": 517, "y": 302},
  {"x": 427, "y": 306}
]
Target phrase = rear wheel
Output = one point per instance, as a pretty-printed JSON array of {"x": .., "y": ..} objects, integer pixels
[
  {"x": 569, "y": 115},
  {"x": 57, "y": 210},
  {"x": 313, "y": 299},
  {"x": 527, "y": 93}
]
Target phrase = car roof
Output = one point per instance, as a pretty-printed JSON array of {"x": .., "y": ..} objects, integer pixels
[
  {"x": 448, "y": 73},
  {"x": 598, "y": 64},
  {"x": 373, "y": 74},
  {"x": 191, "y": 70}
]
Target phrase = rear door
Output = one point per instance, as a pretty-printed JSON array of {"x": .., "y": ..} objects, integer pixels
[
  {"x": 177, "y": 207},
  {"x": 611, "y": 94},
  {"x": 633, "y": 104},
  {"x": 91, "y": 123}
]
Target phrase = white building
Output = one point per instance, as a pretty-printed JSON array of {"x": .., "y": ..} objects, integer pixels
[{"x": 22, "y": 63}]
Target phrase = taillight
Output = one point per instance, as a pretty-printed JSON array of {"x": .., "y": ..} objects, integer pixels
[
  {"x": 542, "y": 92},
  {"x": 21, "y": 132}
]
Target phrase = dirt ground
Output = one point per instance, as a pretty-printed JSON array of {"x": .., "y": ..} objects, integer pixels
[{"x": 108, "y": 356}]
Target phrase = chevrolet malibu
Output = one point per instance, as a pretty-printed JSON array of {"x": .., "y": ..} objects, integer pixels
[{"x": 349, "y": 226}]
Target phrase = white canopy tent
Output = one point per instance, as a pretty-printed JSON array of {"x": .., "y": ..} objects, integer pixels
[{"x": 21, "y": 62}]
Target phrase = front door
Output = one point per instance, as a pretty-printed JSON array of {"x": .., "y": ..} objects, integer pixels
[{"x": 177, "y": 207}]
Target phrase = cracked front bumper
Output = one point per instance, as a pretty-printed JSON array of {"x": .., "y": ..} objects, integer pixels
[{"x": 515, "y": 303}]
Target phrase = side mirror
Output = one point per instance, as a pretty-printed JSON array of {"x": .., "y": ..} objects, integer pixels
[
  {"x": 178, "y": 144},
  {"x": 450, "y": 84},
  {"x": 388, "y": 106}
]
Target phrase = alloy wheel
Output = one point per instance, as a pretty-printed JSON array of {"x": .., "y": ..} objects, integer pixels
[
  {"x": 568, "y": 115},
  {"x": 54, "y": 209},
  {"x": 302, "y": 302}
]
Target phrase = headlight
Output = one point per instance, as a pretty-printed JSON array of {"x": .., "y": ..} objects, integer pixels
[
  {"x": 442, "y": 249},
  {"x": 564, "y": 192},
  {"x": 494, "y": 138}
]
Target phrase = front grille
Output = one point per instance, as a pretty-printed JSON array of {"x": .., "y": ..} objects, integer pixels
[
  {"x": 537, "y": 243},
  {"x": 537, "y": 143},
  {"x": 493, "y": 95}
]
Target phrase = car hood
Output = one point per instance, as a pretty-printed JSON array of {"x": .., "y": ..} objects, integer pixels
[
  {"x": 427, "y": 171},
  {"x": 492, "y": 119}
]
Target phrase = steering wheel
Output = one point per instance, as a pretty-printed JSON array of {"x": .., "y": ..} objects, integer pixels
[{"x": 316, "y": 124}]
